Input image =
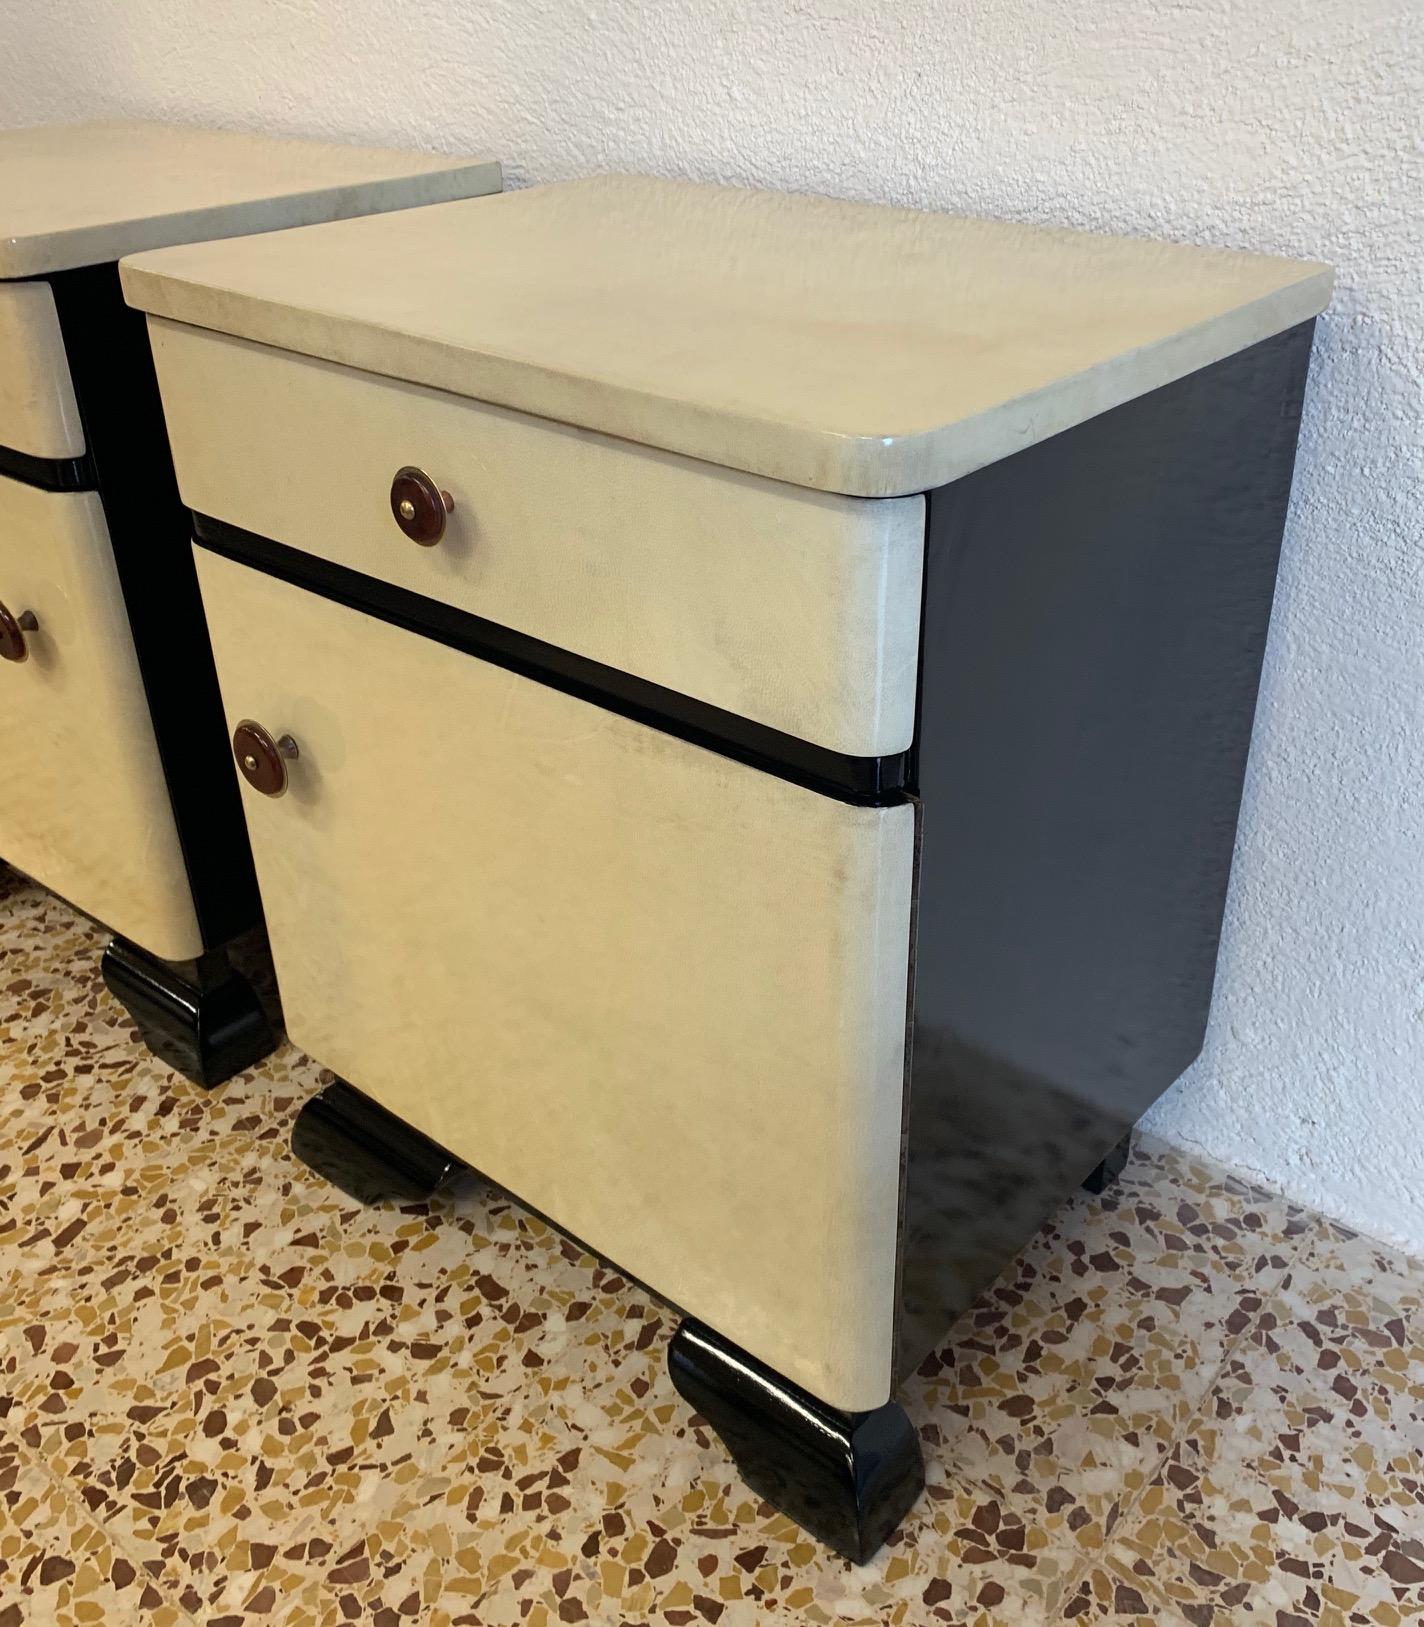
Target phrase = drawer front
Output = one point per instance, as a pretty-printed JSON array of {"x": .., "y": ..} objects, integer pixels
[
  {"x": 656, "y": 993},
  {"x": 38, "y": 413},
  {"x": 795, "y": 609},
  {"x": 86, "y": 809}
]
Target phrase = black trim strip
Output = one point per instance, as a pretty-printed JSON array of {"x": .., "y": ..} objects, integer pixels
[
  {"x": 873, "y": 781},
  {"x": 111, "y": 365},
  {"x": 49, "y": 474}
]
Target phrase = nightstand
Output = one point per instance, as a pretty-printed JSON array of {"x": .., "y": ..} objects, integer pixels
[
  {"x": 743, "y": 702},
  {"x": 119, "y": 792}
]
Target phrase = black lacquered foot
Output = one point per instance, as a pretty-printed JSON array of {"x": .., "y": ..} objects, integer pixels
[
  {"x": 366, "y": 1151},
  {"x": 198, "y": 1016},
  {"x": 848, "y": 1478},
  {"x": 1102, "y": 1176}
]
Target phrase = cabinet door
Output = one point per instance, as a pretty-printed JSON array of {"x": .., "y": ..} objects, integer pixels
[
  {"x": 86, "y": 809},
  {"x": 656, "y": 993}
]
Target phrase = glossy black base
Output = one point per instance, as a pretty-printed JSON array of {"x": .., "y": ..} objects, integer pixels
[
  {"x": 200, "y": 1017},
  {"x": 848, "y": 1478},
  {"x": 1102, "y": 1175},
  {"x": 369, "y": 1153}
]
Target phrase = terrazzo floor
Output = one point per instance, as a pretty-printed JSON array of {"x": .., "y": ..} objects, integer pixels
[{"x": 227, "y": 1394}]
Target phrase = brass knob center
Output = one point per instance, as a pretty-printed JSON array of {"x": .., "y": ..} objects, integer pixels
[
  {"x": 420, "y": 506},
  {"x": 262, "y": 759}
]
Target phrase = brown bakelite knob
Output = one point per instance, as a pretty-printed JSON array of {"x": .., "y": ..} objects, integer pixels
[
  {"x": 12, "y": 634},
  {"x": 261, "y": 759},
  {"x": 419, "y": 505}
]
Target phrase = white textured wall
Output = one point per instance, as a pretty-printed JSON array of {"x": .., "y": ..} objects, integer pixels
[{"x": 1290, "y": 125}]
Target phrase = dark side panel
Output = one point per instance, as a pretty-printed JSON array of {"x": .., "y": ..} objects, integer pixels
[{"x": 1095, "y": 617}]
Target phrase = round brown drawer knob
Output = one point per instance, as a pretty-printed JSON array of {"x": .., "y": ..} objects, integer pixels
[
  {"x": 419, "y": 505},
  {"x": 261, "y": 759},
  {"x": 13, "y": 646}
]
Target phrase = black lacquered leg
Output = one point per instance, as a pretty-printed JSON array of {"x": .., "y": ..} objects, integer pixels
[
  {"x": 199, "y": 1016},
  {"x": 366, "y": 1151},
  {"x": 1102, "y": 1176},
  {"x": 848, "y": 1478}
]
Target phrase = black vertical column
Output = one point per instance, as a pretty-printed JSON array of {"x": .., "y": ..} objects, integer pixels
[{"x": 117, "y": 390}]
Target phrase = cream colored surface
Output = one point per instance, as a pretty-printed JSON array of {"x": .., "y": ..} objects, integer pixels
[
  {"x": 793, "y": 608},
  {"x": 85, "y": 809},
  {"x": 657, "y": 994},
  {"x": 840, "y": 346},
  {"x": 38, "y": 412},
  {"x": 81, "y": 194}
]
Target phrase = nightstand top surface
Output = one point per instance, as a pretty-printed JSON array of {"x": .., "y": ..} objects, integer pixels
[
  {"x": 845, "y": 347},
  {"x": 84, "y": 194}
]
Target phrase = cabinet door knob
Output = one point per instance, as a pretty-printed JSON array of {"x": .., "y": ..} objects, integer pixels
[
  {"x": 419, "y": 506},
  {"x": 13, "y": 646},
  {"x": 262, "y": 760}
]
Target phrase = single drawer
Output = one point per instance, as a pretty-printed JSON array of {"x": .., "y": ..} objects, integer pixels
[
  {"x": 655, "y": 992},
  {"x": 38, "y": 413},
  {"x": 86, "y": 809},
  {"x": 795, "y": 609}
]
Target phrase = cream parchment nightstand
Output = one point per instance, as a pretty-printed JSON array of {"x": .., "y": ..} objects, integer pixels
[
  {"x": 744, "y": 702},
  {"x": 120, "y": 795}
]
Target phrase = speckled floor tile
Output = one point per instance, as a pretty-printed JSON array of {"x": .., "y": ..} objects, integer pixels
[
  {"x": 1298, "y": 1494},
  {"x": 229, "y": 1395},
  {"x": 1067, "y": 1384},
  {"x": 1112, "y": 1592},
  {"x": 57, "y": 1565}
]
